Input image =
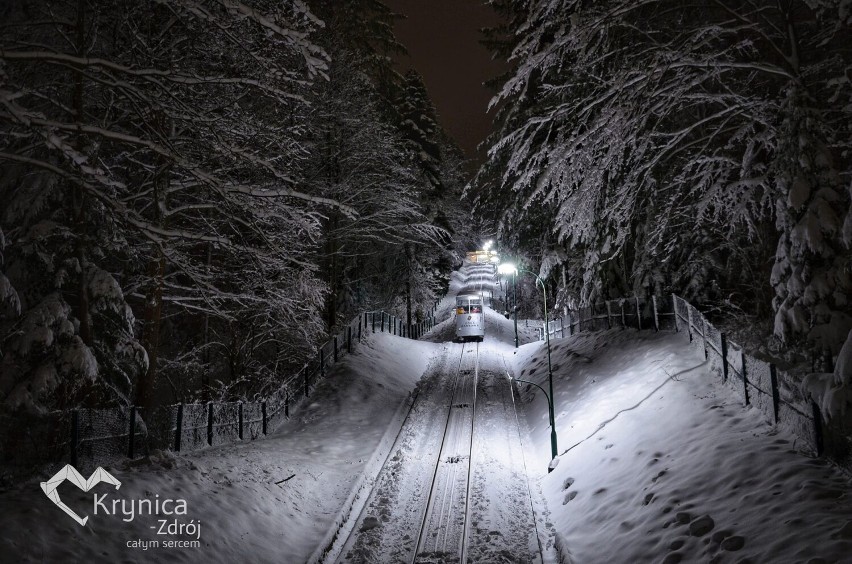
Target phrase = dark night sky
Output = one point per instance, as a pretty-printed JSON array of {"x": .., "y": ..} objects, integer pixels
[{"x": 442, "y": 38}]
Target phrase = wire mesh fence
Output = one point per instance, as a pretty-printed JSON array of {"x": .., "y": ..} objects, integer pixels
[
  {"x": 88, "y": 438},
  {"x": 776, "y": 393}
]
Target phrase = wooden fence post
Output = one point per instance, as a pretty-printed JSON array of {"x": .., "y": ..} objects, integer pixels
[
  {"x": 745, "y": 378},
  {"x": 383, "y": 322},
  {"x": 178, "y": 427},
  {"x": 287, "y": 404},
  {"x": 725, "y": 356},
  {"x": 75, "y": 435},
  {"x": 131, "y": 437},
  {"x": 335, "y": 348},
  {"x": 361, "y": 326},
  {"x": 263, "y": 416},
  {"x": 623, "y": 319},
  {"x": 349, "y": 339},
  {"x": 704, "y": 335},
  {"x": 210, "y": 423},
  {"x": 608, "y": 315},
  {"x": 776, "y": 397},
  {"x": 373, "y": 321}
]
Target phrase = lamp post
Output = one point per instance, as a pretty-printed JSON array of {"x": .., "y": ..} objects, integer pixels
[{"x": 511, "y": 268}]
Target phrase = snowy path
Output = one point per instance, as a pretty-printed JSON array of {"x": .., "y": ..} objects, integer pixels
[
  {"x": 442, "y": 534},
  {"x": 502, "y": 525},
  {"x": 387, "y": 530},
  {"x": 455, "y": 488}
]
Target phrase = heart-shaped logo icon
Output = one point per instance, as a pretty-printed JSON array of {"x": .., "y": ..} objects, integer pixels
[{"x": 70, "y": 473}]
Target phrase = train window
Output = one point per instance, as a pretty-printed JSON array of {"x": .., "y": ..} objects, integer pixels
[
  {"x": 476, "y": 309},
  {"x": 462, "y": 309}
]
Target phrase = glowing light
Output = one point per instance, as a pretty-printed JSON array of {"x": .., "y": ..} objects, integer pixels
[
  {"x": 507, "y": 268},
  {"x": 487, "y": 245}
]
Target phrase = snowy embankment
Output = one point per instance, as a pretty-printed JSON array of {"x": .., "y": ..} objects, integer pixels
[
  {"x": 270, "y": 500},
  {"x": 660, "y": 462}
]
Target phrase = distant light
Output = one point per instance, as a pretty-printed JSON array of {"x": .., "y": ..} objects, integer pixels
[
  {"x": 487, "y": 244},
  {"x": 495, "y": 259},
  {"x": 507, "y": 268}
]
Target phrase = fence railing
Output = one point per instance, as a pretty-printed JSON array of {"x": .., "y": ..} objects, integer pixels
[
  {"x": 88, "y": 438},
  {"x": 773, "y": 391}
]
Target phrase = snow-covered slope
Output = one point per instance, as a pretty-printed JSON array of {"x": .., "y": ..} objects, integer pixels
[
  {"x": 661, "y": 463},
  {"x": 231, "y": 491}
]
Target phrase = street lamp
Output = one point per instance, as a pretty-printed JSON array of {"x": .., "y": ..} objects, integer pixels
[
  {"x": 507, "y": 268},
  {"x": 550, "y": 410}
]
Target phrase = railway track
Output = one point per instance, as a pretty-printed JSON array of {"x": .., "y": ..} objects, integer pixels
[
  {"x": 442, "y": 535},
  {"x": 453, "y": 488}
]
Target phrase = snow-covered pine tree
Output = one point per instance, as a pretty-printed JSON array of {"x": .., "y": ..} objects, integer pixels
[{"x": 174, "y": 125}]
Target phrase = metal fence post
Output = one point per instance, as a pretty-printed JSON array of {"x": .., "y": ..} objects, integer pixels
[
  {"x": 178, "y": 427},
  {"x": 638, "y": 315},
  {"x": 263, "y": 415},
  {"x": 656, "y": 318},
  {"x": 240, "y": 428},
  {"x": 745, "y": 378},
  {"x": 75, "y": 435},
  {"x": 725, "y": 356},
  {"x": 210, "y": 423},
  {"x": 818, "y": 437},
  {"x": 776, "y": 397},
  {"x": 689, "y": 321},
  {"x": 131, "y": 437},
  {"x": 674, "y": 309}
]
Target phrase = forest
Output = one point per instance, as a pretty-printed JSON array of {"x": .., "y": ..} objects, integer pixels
[
  {"x": 195, "y": 194},
  {"x": 701, "y": 148}
]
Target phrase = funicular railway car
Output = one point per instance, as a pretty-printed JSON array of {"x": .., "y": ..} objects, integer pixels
[{"x": 470, "y": 318}]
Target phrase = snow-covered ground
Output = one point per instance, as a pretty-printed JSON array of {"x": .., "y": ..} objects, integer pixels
[
  {"x": 658, "y": 463},
  {"x": 661, "y": 463},
  {"x": 231, "y": 490}
]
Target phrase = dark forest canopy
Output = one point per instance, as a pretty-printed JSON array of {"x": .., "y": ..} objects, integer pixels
[
  {"x": 195, "y": 194},
  {"x": 700, "y": 148}
]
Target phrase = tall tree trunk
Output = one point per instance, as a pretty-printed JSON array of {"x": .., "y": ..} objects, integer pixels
[
  {"x": 151, "y": 332},
  {"x": 154, "y": 297},
  {"x": 332, "y": 271},
  {"x": 78, "y": 197},
  {"x": 409, "y": 260}
]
